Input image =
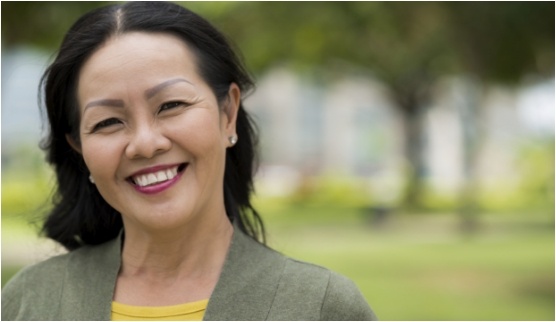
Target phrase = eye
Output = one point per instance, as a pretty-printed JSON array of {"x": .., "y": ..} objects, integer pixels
[
  {"x": 105, "y": 123},
  {"x": 170, "y": 105}
]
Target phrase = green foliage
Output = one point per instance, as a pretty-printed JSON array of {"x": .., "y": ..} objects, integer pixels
[
  {"x": 328, "y": 200},
  {"x": 434, "y": 200},
  {"x": 536, "y": 166},
  {"x": 332, "y": 191},
  {"x": 399, "y": 41},
  {"x": 502, "y": 43},
  {"x": 25, "y": 191},
  {"x": 533, "y": 193},
  {"x": 40, "y": 24}
]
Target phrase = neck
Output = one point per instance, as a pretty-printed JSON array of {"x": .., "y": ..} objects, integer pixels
[{"x": 192, "y": 252}]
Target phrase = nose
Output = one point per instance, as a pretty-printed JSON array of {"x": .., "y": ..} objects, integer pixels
[{"x": 147, "y": 141}]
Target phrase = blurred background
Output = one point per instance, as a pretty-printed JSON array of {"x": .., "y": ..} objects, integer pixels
[{"x": 408, "y": 146}]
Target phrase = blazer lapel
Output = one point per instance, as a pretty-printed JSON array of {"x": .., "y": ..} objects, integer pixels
[
  {"x": 248, "y": 282},
  {"x": 89, "y": 283}
]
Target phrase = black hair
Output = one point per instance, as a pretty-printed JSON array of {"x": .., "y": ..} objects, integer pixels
[{"x": 80, "y": 216}]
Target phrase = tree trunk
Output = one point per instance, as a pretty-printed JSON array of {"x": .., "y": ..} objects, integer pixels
[
  {"x": 470, "y": 115},
  {"x": 414, "y": 131}
]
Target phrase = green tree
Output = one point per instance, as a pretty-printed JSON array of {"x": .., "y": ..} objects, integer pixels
[
  {"x": 402, "y": 44},
  {"x": 501, "y": 44},
  {"x": 40, "y": 24}
]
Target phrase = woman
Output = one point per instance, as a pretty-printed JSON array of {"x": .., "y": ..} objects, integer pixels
[{"x": 154, "y": 157}]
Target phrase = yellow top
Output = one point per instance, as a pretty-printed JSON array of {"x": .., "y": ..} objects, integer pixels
[{"x": 193, "y": 311}]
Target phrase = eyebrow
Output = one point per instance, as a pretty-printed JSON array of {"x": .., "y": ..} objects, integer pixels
[
  {"x": 154, "y": 90},
  {"x": 106, "y": 102},
  {"x": 149, "y": 93}
]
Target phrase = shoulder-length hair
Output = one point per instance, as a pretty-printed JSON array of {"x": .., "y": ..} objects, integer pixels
[{"x": 80, "y": 216}]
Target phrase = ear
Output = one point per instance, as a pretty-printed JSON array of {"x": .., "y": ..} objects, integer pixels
[
  {"x": 74, "y": 145},
  {"x": 230, "y": 109}
]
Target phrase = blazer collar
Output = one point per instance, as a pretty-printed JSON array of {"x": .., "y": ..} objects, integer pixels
[
  {"x": 248, "y": 282},
  {"x": 245, "y": 289},
  {"x": 89, "y": 283}
]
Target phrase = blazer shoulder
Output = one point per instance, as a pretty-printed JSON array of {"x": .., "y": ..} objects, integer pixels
[
  {"x": 343, "y": 301},
  {"x": 311, "y": 292},
  {"x": 48, "y": 268},
  {"x": 34, "y": 285},
  {"x": 39, "y": 291},
  {"x": 46, "y": 271},
  {"x": 296, "y": 270}
]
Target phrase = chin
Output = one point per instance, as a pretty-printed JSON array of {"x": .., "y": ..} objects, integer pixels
[{"x": 160, "y": 220}]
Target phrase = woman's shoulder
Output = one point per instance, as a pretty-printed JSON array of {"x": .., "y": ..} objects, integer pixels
[
  {"x": 58, "y": 264},
  {"x": 294, "y": 272},
  {"x": 50, "y": 267},
  {"x": 38, "y": 281},
  {"x": 335, "y": 296},
  {"x": 37, "y": 289},
  {"x": 303, "y": 290}
]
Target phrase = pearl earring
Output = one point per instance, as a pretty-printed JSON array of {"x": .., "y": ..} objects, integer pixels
[
  {"x": 233, "y": 139},
  {"x": 91, "y": 179}
]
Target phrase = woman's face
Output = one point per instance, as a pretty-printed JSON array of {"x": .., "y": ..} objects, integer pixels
[{"x": 152, "y": 134}]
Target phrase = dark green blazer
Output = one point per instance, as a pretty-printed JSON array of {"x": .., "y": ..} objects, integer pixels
[{"x": 256, "y": 283}]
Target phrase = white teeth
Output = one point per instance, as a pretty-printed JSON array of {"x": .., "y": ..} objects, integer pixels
[
  {"x": 139, "y": 181},
  {"x": 155, "y": 177},
  {"x": 170, "y": 173},
  {"x": 161, "y": 176},
  {"x": 151, "y": 178}
]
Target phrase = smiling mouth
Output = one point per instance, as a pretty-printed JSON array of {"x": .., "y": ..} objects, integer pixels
[{"x": 157, "y": 177}]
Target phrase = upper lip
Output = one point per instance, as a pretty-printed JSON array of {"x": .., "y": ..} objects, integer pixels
[{"x": 154, "y": 169}]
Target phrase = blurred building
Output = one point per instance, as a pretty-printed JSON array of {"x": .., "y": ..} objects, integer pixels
[{"x": 349, "y": 127}]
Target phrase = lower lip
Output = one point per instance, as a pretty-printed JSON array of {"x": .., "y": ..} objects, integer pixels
[{"x": 157, "y": 188}]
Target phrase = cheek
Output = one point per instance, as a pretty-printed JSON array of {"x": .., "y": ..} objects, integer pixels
[
  {"x": 101, "y": 156},
  {"x": 203, "y": 140},
  {"x": 197, "y": 130}
]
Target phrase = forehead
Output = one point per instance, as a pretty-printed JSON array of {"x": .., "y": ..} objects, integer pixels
[{"x": 138, "y": 57}]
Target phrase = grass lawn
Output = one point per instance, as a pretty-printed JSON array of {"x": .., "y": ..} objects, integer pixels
[
  {"x": 506, "y": 279},
  {"x": 420, "y": 268}
]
